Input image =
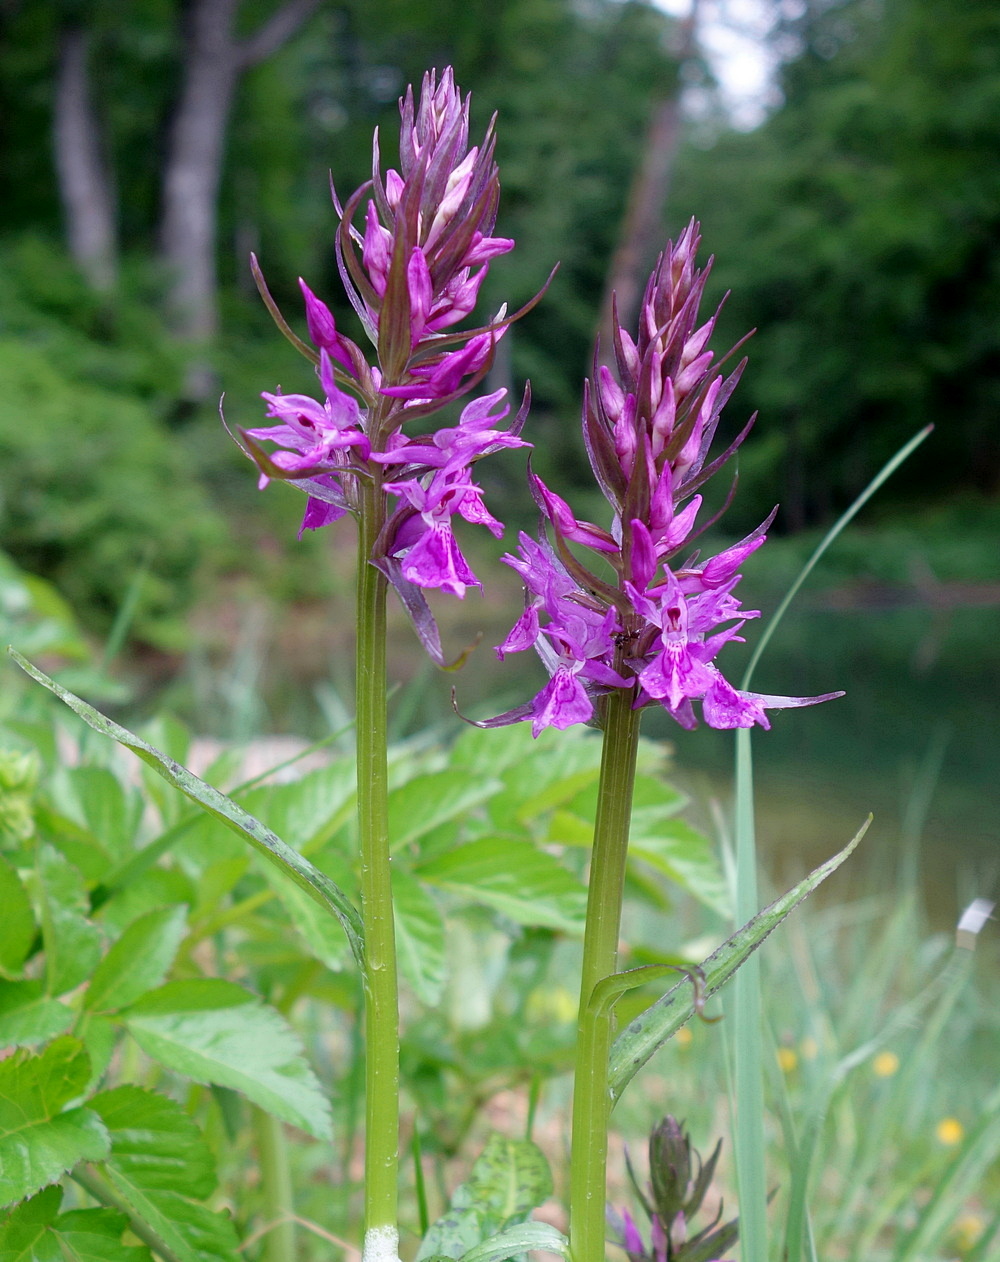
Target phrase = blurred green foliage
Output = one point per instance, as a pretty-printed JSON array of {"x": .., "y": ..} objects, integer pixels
[
  {"x": 96, "y": 491},
  {"x": 857, "y": 229}
]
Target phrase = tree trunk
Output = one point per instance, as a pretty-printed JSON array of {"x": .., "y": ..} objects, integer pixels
[
  {"x": 642, "y": 230},
  {"x": 213, "y": 62},
  {"x": 195, "y": 152},
  {"x": 84, "y": 183}
]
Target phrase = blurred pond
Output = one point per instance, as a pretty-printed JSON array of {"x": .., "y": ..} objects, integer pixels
[{"x": 915, "y": 740}]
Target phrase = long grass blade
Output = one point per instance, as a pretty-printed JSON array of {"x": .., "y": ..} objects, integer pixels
[{"x": 881, "y": 477}]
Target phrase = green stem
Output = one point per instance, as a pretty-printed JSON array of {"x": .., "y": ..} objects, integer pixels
[
  {"x": 278, "y": 1206},
  {"x": 591, "y": 1098},
  {"x": 381, "y": 995},
  {"x": 102, "y": 1192}
]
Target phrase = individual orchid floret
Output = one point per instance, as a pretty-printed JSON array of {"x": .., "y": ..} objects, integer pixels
[{"x": 656, "y": 624}]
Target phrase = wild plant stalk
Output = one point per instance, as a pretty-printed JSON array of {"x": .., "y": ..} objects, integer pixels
[
  {"x": 413, "y": 273},
  {"x": 650, "y": 638},
  {"x": 591, "y": 1098},
  {"x": 380, "y": 981}
]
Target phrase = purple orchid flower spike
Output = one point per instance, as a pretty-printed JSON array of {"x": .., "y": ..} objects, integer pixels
[
  {"x": 412, "y": 273},
  {"x": 649, "y": 425}
]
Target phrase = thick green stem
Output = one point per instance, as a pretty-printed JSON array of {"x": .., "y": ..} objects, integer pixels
[
  {"x": 381, "y": 996},
  {"x": 591, "y": 1099},
  {"x": 278, "y": 1206}
]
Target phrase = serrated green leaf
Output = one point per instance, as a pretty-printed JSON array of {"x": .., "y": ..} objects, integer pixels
[
  {"x": 191, "y": 1231},
  {"x": 305, "y": 811},
  {"x": 29, "y": 1016},
  {"x": 420, "y": 940},
  {"x": 155, "y": 1143},
  {"x": 39, "y": 1142},
  {"x": 509, "y": 1179},
  {"x": 425, "y": 802},
  {"x": 24, "y": 1233},
  {"x": 649, "y": 1031},
  {"x": 95, "y": 1235},
  {"x": 217, "y": 804},
  {"x": 17, "y": 924},
  {"x": 216, "y": 1032},
  {"x": 515, "y": 878},
  {"x": 138, "y": 961},
  {"x": 72, "y": 942},
  {"x": 158, "y": 1162}
]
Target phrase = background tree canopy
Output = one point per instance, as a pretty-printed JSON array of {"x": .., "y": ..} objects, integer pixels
[{"x": 857, "y": 230}]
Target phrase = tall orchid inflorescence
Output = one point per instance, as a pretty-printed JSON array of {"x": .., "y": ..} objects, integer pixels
[
  {"x": 411, "y": 275},
  {"x": 656, "y": 624}
]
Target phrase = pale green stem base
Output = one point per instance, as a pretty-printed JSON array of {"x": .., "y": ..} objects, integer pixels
[
  {"x": 591, "y": 1098},
  {"x": 381, "y": 994},
  {"x": 278, "y": 1206}
]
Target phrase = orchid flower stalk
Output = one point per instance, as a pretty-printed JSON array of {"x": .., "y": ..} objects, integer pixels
[
  {"x": 412, "y": 274},
  {"x": 647, "y": 635}
]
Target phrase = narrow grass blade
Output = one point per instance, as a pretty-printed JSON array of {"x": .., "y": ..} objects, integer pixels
[
  {"x": 882, "y": 476},
  {"x": 317, "y": 885},
  {"x": 746, "y": 1035},
  {"x": 652, "y": 1028}
]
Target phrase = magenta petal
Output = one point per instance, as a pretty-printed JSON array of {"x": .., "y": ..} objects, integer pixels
[
  {"x": 319, "y": 514},
  {"x": 436, "y": 561},
  {"x": 561, "y": 703},
  {"x": 522, "y": 634}
]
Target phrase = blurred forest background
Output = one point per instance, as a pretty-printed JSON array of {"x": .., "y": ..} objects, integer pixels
[{"x": 147, "y": 149}]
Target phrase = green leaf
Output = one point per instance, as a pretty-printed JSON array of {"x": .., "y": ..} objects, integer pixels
[
  {"x": 39, "y": 1142},
  {"x": 216, "y": 1032},
  {"x": 24, "y": 1233},
  {"x": 652, "y": 1028},
  {"x": 321, "y": 936},
  {"x": 159, "y": 1162},
  {"x": 304, "y": 811},
  {"x": 72, "y": 942},
  {"x": 508, "y": 1180},
  {"x": 95, "y": 1235},
  {"x": 74, "y": 841},
  {"x": 110, "y": 811},
  {"x": 190, "y": 1230},
  {"x": 138, "y": 961},
  {"x": 515, "y": 878},
  {"x": 154, "y": 1143},
  {"x": 684, "y": 855},
  {"x": 425, "y": 802},
  {"x": 267, "y": 843},
  {"x": 518, "y": 1240},
  {"x": 420, "y": 940},
  {"x": 28, "y": 1015},
  {"x": 17, "y": 924}
]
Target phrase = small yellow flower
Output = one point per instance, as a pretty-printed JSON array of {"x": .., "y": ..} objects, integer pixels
[
  {"x": 968, "y": 1229},
  {"x": 683, "y": 1037},
  {"x": 885, "y": 1064},
  {"x": 809, "y": 1048},
  {"x": 949, "y": 1131},
  {"x": 787, "y": 1059}
]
